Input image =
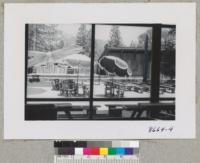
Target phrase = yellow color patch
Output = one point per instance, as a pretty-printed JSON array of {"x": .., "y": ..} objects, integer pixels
[{"x": 103, "y": 151}]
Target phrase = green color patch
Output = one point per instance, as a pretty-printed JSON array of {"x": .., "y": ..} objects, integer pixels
[{"x": 112, "y": 151}]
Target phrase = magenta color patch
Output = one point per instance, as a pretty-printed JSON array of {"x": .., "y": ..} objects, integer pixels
[{"x": 87, "y": 151}]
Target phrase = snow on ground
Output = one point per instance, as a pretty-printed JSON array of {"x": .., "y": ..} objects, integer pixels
[
  {"x": 99, "y": 91},
  {"x": 36, "y": 91}
]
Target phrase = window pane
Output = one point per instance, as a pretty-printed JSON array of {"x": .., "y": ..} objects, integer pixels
[
  {"x": 134, "y": 110},
  {"x": 122, "y": 61},
  {"x": 71, "y": 110},
  {"x": 114, "y": 110},
  {"x": 167, "y": 64},
  {"x": 58, "y": 60}
]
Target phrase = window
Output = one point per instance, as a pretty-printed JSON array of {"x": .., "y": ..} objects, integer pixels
[
  {"x": 58, "y": 61},
  {"x": 99, "y": 71},
  {"x": 167, "y": 64},
  {"x": 122, "y": 61}
]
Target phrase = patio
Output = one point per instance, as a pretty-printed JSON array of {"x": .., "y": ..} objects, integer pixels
[{"x": 43, "y": 89}]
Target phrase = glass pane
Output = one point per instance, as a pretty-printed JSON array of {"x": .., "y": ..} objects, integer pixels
[
  {"x": 167, "y": 64},
  {"x": 113, "y": 110},
  {"x": 122, "y": 61},
  {"x": 134, "y": 110},
  {"x": 58, "y": 60},
  {"x": 70, "y": 110}
]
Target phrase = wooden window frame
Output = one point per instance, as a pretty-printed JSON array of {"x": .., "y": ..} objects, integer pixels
[{"x": 155, "y": 68}]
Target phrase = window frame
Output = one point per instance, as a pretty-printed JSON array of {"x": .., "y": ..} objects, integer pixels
[{"x": 155, "y": 68}]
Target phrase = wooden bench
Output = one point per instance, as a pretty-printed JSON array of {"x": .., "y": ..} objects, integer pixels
[
  {"x": 154, "y": 110},
  {"x": 63, "y": 111},
  {"x": 165, "y": 115},
  {"x": 34, "y": 78},
  {"x": 116, "y": 110},
  {"x": 168, "y": 88},
  {"x": 138, "y": 89},
  {"x": 69, "y": 111}
]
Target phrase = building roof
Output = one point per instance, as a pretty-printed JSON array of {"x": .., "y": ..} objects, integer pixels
[{"x": 124, "y": 49}]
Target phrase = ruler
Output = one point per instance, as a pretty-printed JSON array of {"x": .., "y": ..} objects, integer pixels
[{"x": 95, "y": 159}]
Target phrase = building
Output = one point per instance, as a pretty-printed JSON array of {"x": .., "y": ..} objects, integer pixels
[{"x": 138, "y": 59}]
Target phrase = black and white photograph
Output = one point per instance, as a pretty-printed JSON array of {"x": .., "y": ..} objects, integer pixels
[{"x": 100, "y": 71}]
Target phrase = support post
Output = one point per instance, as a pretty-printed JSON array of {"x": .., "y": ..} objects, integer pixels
[
  {"x": 146, "y": 60},
  {"x": 155, "y": 70},
  {"x": 92, "y": 71}
]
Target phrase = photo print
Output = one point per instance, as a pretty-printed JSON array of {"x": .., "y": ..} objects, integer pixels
[{"x": 100, "y": 72}]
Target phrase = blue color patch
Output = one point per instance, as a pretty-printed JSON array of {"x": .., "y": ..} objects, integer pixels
[{"x": 120, "y": 151}]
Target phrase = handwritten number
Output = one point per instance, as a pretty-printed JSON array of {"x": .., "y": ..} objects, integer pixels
[{"x": 156, "y": 129}]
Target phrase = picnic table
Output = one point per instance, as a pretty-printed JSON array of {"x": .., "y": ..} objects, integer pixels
[
  {"x": 69, "y": 111},
  {"x": 140, "y": 87},
  {"x": 115, "y": 110},
  {"x": 68, "y": 88},
  {"x": 158, "y": 110},
  {"x": 63, "y": 111},
  {"x": 58, "y": 111},
  {"x": 152, "y": 110},
  {"x": 168, "y": 88},
  {"x": 34, "y": 78},
  {"x": 114, "y": 89}
]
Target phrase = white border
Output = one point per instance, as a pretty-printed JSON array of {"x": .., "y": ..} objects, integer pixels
[{"x": 17, "y": 15}]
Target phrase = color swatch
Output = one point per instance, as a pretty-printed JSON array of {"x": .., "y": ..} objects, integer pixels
[
  {"x": 96, "y": 148},
  {"x": 96, "y": 151}
]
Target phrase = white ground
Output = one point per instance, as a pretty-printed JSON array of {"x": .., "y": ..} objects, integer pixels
[{"x": 99, "y": 91}]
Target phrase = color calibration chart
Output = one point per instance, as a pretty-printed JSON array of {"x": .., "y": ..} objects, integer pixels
[{"x": 96, "y": 152}]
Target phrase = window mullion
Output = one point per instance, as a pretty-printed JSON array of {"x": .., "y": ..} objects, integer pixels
[
  {"x": 155, "y": 67},
  {"x": 92, "y": 70}
]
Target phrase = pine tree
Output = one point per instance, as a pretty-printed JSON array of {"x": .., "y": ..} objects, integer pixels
[
  {"x": 88, "y": 40},
  {"x": 43, "y": 37},
  {"x": 81, "y": 38},
  {"x": 31, "y": 37},
  {"x": 115, "y": 37},
  {"x": 142, "y": 38}
]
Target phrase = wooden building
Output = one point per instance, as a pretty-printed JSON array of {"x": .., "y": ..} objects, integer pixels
[{"x": 138, "y": 59}]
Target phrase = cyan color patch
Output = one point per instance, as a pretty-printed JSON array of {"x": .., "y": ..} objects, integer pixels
[{"x": 120, "y": 151}]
